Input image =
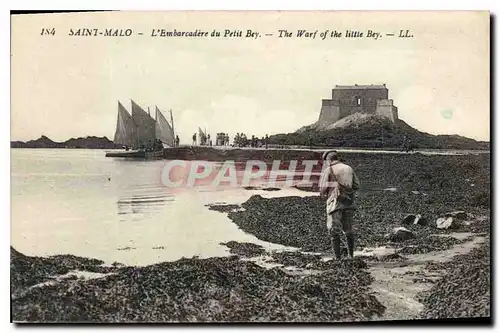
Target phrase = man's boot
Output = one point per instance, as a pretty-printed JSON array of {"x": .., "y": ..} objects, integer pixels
[
  {"x": 336, "y": 246},
  {"x": 350, "y": 245}
]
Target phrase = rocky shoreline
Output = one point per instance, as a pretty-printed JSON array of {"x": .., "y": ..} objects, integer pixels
[
  {"x": 295, "y": 287},
  {"x": 464, "y": 291},
  {"x": 217, "y": 289},
  {"x": 435, "y": 273}
]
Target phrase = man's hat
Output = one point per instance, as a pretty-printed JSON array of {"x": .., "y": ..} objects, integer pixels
[{"x": 326, "y": 153}]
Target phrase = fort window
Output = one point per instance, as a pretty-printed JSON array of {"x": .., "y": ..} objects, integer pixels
[{"x": 358, "y": 100}]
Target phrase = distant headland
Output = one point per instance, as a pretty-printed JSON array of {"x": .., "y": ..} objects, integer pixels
[{"x": 89, "y": 142}]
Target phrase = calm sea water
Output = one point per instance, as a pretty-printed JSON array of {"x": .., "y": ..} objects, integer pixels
[{"x": 79, "y": 202}]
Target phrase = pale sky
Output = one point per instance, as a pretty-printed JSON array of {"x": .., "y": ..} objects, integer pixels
[{"x": 68, "y": 86}]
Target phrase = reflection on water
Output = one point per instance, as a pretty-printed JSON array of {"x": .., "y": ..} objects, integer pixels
[{"x": 82, "y": 203}]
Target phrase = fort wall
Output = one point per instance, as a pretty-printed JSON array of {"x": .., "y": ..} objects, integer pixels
[
  {"x": 347, "y": 100},
  {"x": 385, "y": 108},
  {"x": 330, "y": 112}
]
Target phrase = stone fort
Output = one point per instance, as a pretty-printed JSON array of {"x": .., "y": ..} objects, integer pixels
[{"x": 347, "y": 100}]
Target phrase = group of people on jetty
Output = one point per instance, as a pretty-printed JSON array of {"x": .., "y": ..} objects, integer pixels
[
  {"x": 240, "y": 140},
  {"x": 205, "y": 139}
]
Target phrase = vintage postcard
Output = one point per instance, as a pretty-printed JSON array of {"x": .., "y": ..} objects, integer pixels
[{"x": 246, "y": 166}]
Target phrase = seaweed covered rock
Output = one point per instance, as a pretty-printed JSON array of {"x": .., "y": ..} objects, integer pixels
[
  {"x": 400, "y": 234},
  {"x": 414, "y": 219},
  {"x": 458, "y": 214},
  {"x": 428, "y": 244},
  {"x": 207, "y": 290},
  {"x": 296, "y": 259},
  {"x": 465, "y": 290},
  {"x": 291, "y": 221},
  {"x": 245, "y": 249},
  {"x": 452, "y": 220},
  {"x": 223, "y": 208},
  {"x": 28, "y": 271},
  {"x": 316, "y": 262}
]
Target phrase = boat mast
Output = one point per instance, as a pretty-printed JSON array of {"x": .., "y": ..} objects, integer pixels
[{"x": 172, "y": 122}]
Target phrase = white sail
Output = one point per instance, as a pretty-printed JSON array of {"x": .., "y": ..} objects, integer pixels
[
  {"x": 164, "y": 131},
  {"x": 125, "y": 133},
  {"x": 146, "y": 126}
]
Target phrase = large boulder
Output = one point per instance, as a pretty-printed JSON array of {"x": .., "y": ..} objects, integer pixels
[
  {"x": 400, "y": 235},
  {"x": 414, "y": 219},
  {"x": 447, "y": 223}
]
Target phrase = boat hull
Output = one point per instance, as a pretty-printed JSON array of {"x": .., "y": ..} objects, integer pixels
[{"x": 135, "y": 154}]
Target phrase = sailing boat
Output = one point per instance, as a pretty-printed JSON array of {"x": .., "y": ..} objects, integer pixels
[
  {"x": 126, "y": 128},
  {"x": 140, "y": 134},
  {"x": 203, "y": 136},
  {"x": 164, "y": 132}
]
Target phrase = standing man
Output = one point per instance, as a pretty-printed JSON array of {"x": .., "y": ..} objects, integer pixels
[
  {"x": 405, "y": 143},
  {"x": 408, "y": 145},
  {"x": 338, "y": 184},
  {"x": 194, "y": 139}
]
